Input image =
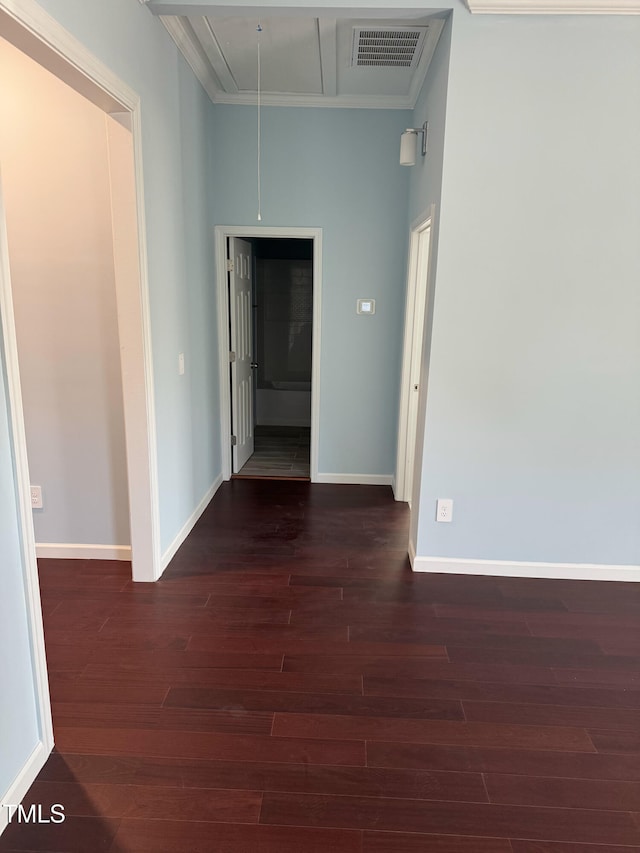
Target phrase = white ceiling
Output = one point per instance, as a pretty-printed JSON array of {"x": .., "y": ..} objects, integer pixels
[{"x": 304, "y": 61}]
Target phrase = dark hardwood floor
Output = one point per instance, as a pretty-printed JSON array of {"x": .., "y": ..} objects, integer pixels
[{"x": 289, "y": 686}]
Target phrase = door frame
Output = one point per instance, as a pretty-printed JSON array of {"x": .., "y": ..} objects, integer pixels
[
  {"x": 36, "y": 760},
  {"x": 418, "y": 288},
  {"x": 221, "y": 232},
  {"x": 241, "y": 368},
  {"x": 34, "y": 32}
]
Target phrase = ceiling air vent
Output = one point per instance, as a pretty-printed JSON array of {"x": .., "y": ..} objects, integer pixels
[{"x": 384, "y": 47}]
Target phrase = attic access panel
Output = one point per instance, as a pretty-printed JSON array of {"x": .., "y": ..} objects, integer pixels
[
  {"x": 289, "y": 49},
  {"x": 387, "y": 47}
]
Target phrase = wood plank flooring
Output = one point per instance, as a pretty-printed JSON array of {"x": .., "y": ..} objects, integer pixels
[{"x": 289, "y": 686}]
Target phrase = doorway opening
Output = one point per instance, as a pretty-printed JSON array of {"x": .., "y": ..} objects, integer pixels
[
  {"x": 281, "y": 286},
  {"x": 39, "y": 38},
  {"x": 414, "y": 371},
  {"x": 35, "y": 34},
  {"x": 269, "y": 282}
]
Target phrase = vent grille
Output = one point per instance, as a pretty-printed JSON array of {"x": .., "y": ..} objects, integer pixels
[{"x": 399, "y": 47}]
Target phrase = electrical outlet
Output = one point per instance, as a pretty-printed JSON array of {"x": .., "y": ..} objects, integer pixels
[
  {"x": 444, "y": 510},
  {"x": 36, "y": 497},
  {"x": 180, "y": 363}
]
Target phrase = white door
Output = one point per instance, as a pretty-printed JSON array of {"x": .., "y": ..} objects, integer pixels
[
  {"x": 241, "y": 313},
  {"x": 416, "y": 355},
  {"x": 412, "y": 370}
]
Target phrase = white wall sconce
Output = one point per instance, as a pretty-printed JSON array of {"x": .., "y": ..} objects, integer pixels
[{"x": 408, "y": 144}]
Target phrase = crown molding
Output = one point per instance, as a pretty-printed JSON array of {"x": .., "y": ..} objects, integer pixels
[
  {"x": 352, "y": 102},
  {"x": 554, "y": 7},
  {"x": 180, "y": 31}
]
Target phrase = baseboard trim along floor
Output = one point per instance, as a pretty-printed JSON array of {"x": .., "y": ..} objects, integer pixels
[{"x": 515, "y": 569}]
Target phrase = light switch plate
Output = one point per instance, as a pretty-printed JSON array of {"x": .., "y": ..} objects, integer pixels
[{"x": 366, "y": 306}]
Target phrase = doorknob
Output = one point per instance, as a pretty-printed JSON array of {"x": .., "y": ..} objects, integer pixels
[{"x": 254, "y": 364}]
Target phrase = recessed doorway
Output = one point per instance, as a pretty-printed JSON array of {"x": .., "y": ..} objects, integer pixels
[{"x": 269, "y": 322}]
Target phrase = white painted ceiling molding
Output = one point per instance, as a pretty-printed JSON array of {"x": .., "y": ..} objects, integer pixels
[
  {"x": 348, "y": 102},
  {"x": 554, "y": 7},
  {"x": 179, "y": 30},
  {"x": 307, "y": 61}
]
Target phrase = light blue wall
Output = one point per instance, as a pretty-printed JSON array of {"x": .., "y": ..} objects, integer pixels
[
  {"x": 175, "y": 113},
  {"x": 19, "y": 730},
  {"x": 338, "y": 170},
  {"x": 426, "y": 175},
  {"x": 425, "y": 200},
  {"x": 533, "y": 402},
  {"x": 533, "y": 414}
]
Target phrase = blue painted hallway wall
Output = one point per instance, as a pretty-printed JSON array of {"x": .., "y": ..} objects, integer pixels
[{"x": 336, "y": 169}]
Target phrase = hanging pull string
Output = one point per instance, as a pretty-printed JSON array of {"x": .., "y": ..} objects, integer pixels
[{"x": 258, "y": 31}]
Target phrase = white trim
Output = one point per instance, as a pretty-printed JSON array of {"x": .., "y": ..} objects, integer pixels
[
  {"x": 136, "y": 363},
  {"x": 316, "y": 353},
  {"x": 347, "y": 102},
  {"x": 327, "y": 28},
  {"x": 208, "y": 44},
  {"x": 224, "y": 378},
  {"x": 26, "y": 25},
  {"x": 23, "y": 781},
  {"x": 554, "y": 7},
  {"x": 356, "y": 479},
  {"x": 418, "y": 227},
  {"x": 189, "y": 524},
  {"x": 290, "y": 8},
  {"x": 142, "y": 468},
  {"x": 517, "y": 569},
  {"x": 221, "y": 232},
  {"x": 79, "y": 551},
  {"x": 191, "y": 51},
  {"x": 411, "y": 551},
  {"x": 23, "y": 490}
]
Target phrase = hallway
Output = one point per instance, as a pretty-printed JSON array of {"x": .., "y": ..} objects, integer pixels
[{"x": 289, "y": 686}]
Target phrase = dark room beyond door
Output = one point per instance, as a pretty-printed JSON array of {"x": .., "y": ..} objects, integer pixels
[{"x": 282, "y": 356}]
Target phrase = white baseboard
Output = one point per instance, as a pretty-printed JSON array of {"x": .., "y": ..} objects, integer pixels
[
  {"x": 23, "y": 781},
  {"x": 412, "y": 557},
  {"x": 356, "y": 479},
  {"x": 189, "y": 524},
  {"x": 515, "y": 569},
  {"x": 69, "y": 551}
]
